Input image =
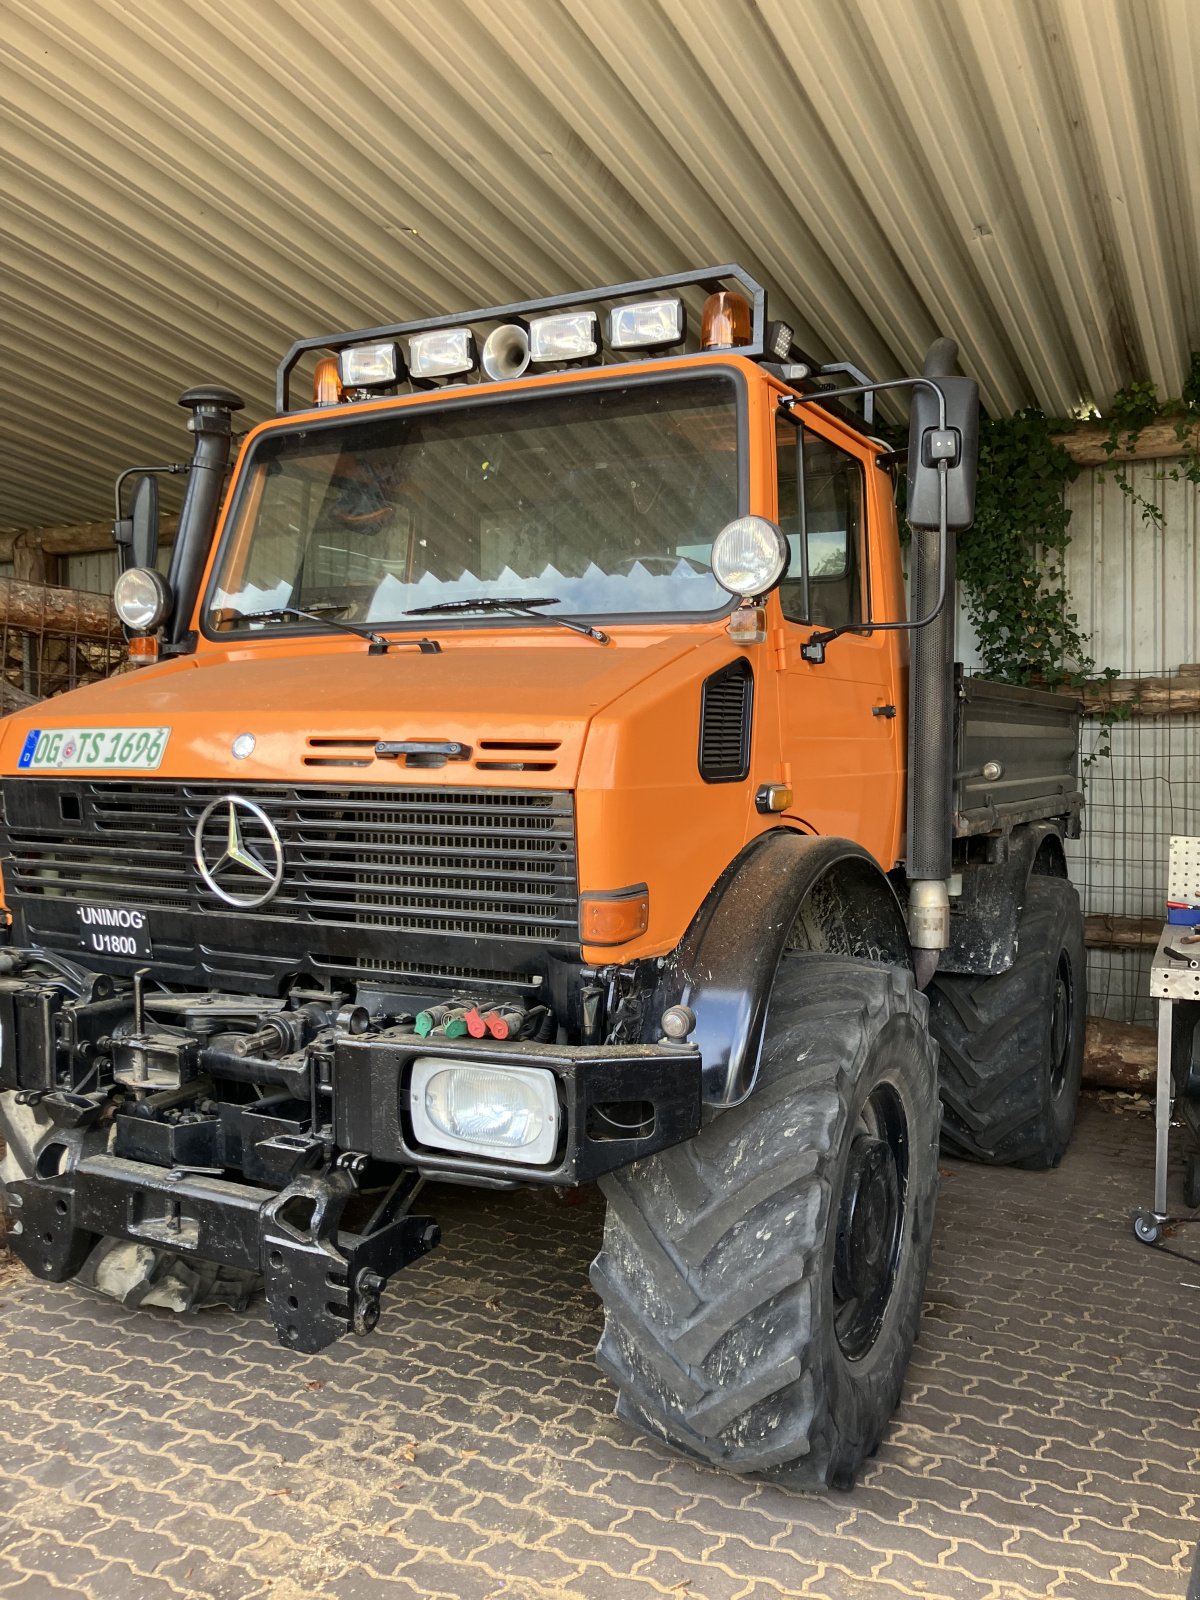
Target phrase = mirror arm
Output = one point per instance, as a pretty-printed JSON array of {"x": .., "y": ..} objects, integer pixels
[{"x": 130, "y": 472}]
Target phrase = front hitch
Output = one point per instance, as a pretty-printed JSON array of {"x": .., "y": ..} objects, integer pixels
[{"x": 321, "y": 1281}]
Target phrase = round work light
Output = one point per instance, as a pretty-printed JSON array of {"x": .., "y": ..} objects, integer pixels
[
  {"x": 749, "y": 556},
  {"x": 141, "y": 598}
]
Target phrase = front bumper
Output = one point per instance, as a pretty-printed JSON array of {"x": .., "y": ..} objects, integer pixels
[
  {"x": 370, "y": 1098},
  {"x": 259, "y": 1180}
]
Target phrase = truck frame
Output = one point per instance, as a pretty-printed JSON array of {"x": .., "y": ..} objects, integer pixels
[{"x": 525, "y": 780}]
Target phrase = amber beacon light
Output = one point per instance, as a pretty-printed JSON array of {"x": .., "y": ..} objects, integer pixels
[{"x": 724, "y": 322}]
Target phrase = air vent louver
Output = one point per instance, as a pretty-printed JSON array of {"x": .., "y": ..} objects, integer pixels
[{"x": 725, "y": 712}]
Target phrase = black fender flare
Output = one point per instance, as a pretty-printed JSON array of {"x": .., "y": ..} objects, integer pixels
[
  {"x": 724, "y": 967},
  {"x": 983, "y": 926}
]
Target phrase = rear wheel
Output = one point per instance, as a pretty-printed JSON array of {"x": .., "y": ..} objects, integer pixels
[
  {"x": 1012, "y": 1046},
  {"x": 762, "y": 1283}
]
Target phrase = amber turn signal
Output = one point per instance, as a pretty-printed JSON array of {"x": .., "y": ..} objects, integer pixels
[
  {"x": 614, "y": 916},
  {"x": 724, "y": 322},
  {"x": 143, "y": 649}
]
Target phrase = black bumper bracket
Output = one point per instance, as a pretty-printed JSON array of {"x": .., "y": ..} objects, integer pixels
[{"x": 321, "y": 1282}]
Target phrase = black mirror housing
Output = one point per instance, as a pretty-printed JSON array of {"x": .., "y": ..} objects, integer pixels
[
  {"x": 143, "y": 521},
  {"x": 957, "y": 444}
]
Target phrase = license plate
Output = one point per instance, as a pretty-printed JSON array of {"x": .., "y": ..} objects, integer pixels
[
  {"x": 52, "y": 749},
  {"x": 115, "y": 930}
]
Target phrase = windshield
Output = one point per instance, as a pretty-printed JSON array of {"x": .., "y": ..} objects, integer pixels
[{"x": 605, "y": 499}]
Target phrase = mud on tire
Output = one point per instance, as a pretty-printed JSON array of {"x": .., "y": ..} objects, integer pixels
[
  {"x": 1012, "y": 1046},
  {"x": 747, "y": 1320}
]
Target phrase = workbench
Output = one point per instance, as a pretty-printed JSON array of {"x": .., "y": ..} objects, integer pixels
[{"x": 1174, "y": 976}]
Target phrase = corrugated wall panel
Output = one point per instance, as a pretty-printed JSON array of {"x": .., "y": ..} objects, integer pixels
[
  {"x": 95, "y": 574},
  {"x": 1135, "y": 584},
  {"x": 186, "y": 189}
]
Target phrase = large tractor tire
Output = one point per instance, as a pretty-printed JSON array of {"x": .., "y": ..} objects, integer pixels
[
  {"x": 762, "y": 1282},
  {"x": 1012, "y": 1046},
  {"x": 136, "y": 1274}
]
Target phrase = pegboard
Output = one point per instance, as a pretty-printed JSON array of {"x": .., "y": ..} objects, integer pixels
[{"x": 1183, "y": 870}]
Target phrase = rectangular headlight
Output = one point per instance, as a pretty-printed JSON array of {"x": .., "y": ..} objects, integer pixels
[
  {"x": 363, "y": 365},
  {"x": 483, "y": 1110},
  {"x": 646, "y": 324},
  {"x": 442, "y": 352},
  {"x": 567, "y": 336}
]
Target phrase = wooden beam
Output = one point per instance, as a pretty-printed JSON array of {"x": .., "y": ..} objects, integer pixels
[
  {"x": 1157, "y": 441},
  {"x": 37, "y": 608},
  {"x": 1120, "y": 1055},
  {"x": 1105, "y": 931},
  {"x": 77, "y": 539}
]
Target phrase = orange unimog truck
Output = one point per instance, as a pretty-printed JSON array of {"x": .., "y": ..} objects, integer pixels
[{"x": 525, "y": 781}]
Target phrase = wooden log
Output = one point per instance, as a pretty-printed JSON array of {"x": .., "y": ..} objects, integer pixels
[
  {"x": 73, "y": 539},
  {"x": 1105, "y": 931},
  {"x": 37, "y": 608},
  {"x": 1172, "y": 695},
  {"x": 1120, "y": 1055},
  {"x": 13, "y": 699},
  {"x": 1157, "y": 441}
]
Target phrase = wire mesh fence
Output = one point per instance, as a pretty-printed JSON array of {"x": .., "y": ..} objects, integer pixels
[
  {"x": 55, "y": 648},
  {"x": 1142, "y": 786}
]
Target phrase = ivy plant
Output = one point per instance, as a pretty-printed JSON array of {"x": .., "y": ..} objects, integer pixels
[{"x": 1012, "y": 562}]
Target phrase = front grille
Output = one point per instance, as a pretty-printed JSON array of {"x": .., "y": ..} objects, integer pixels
[{"x": 478, "y": 863}]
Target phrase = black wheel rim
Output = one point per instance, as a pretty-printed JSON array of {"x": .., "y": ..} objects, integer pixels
[
  {"x": 870, "y": 1226},
  {"x": 1062, "y": 1024}
]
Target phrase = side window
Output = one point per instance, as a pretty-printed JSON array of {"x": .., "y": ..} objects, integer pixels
[{"x": 820, "y": 510}]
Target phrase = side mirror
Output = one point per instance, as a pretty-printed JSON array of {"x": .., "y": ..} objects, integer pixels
[
  {"x": 143, "y": 544},
  {"x": 957, "y": 444}
]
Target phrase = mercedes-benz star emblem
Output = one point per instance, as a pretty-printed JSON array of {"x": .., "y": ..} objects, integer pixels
[{"x": 238, "y": 852}]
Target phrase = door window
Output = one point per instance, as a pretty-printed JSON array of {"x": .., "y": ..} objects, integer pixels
[{"x": 820, "y": 512}]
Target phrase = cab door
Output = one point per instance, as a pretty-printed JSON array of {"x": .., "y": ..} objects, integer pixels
[{"x": 842, "y": 722}]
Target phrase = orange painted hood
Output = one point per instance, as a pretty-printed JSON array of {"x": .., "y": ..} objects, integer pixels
[{"x": 491, "y": 692}]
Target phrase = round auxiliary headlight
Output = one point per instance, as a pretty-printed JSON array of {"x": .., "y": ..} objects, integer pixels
[
  {"x": 749, "y": 556},
  {"x": 141, "y": 598}
]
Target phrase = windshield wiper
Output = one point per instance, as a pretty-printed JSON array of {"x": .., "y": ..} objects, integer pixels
[
  {"x": 379, "y": 645},
  {"x": 518, "y": 605}
]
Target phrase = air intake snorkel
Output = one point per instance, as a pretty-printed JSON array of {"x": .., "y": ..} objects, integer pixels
[
  {"x": 212, "y": 408},
  {"x": 942, "y": 454}
]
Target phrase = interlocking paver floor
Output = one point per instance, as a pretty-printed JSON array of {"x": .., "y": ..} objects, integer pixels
[{"x": 1047, "y": 1444}]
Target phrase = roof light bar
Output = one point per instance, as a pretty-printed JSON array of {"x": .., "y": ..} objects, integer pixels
[{"x": 625, "y": 296}]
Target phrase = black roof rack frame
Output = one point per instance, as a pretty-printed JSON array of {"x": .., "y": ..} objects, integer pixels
[{"x": 710, "y": 279}]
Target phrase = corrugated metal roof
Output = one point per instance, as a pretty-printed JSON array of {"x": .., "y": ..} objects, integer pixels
[{"x": 186, "y": 189}]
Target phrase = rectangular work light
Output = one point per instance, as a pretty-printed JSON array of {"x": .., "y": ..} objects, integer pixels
[
  {"x": 647, "y": 324},
  {"x": 568, "y": 336},
  {"x": 363, "y": 366},
  {"x": 484, "y": 1110},
  {"x": 442, "y": 352}
]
